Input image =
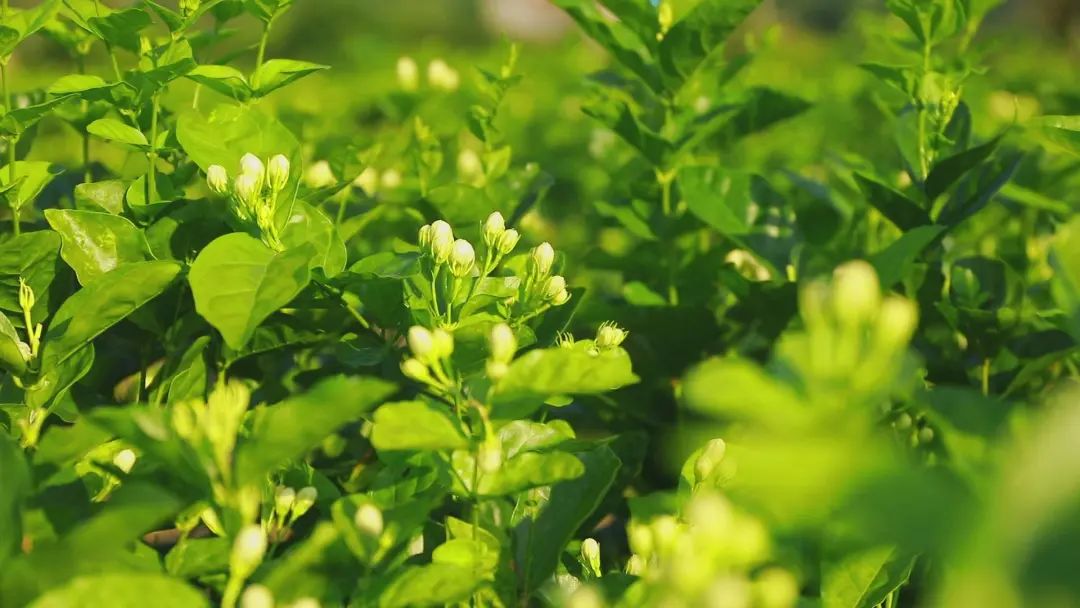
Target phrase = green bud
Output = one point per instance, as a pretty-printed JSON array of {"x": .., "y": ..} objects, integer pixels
[
  {"x": 415, "y": 370},
  {"x": 442, "y": 241},
  {"x": 590, "y": 555},
  {"x": 145, "y": 46},
  {"x": 217, "y": 179},
  {"x": 421, "y": 343},
  {"x": 554, "y": 286},
  {"x": 665, "y": 531},
  {"x": 543, "y": 256},
  {"x": 635, "y": 566},
  {"x": 252, "y": 165},
  {"x": 444, "y": 343},
  {"x": 248, "y": 550},
  {"x": 926, "y": 434},
  {"x": 665, "y": 17},
  {"x": 609, "y": 335},
  {"x": 277, "y": 173},
  {"x": 507, "y": 241},
  {"x": 903, "y": 422},
  {"x": 813, "y": 299},
  {"x": 369, "y": 520},
  {"x": 493, "y": 230},
  {"x": 489, "y": 456},
  {"x": 856, "y": 292},
  {"x": 124, "y": 460},
  {"x": 247, "y": 187},
  {"x": 305, "y": 499},
  {"x": 503, "y": 343},
  {"x": 284, "y": 498},
  {"x": 462, "y": 258},
  {"x": 709, "y": 458},
  {"x": 423, "y": 238},
  {"x": 896, "y": 322},
  {"x": 408, "y": 74},
  {"x": 187, "y": 7},
  {"x": 27, "y": 299},
  {"x": 257, "y": 596}
]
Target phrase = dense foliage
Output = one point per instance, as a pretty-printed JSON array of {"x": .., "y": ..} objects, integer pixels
[{"x": 805, "y": 337}]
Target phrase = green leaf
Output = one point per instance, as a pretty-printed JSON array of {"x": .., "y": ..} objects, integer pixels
[
  {"x": 13, "y": 350},
  {"x": 948, "y": 170},
  {"x": 113, "y": 130},
  {"x": 34, "y": 257},
  {"x": 123, "y": 590},
  {"x": 17, "y": 486},
  {"x": 892, "y": 263},
  {"x": 31, "y": 178},
  {"x": 627, "y": 48},
  {"x": 238, "y": 282},
  {"x": 975, "y": 193},
  {"x": 761, "y": 109},
  {"x": 863, "y": 580},
  {"x": 539, "y": 542},
  {"x": 224, "y": 79},
  {"x": 73, "y": 84},
  {"x": 101, "y": 304},
  {"x": 431, "y": 585},
  {"x": 277, "y": 73},
  {"x": 55, "y": 380},
  {"x": 95, "y": 243},
  {"x": 107, "y": 196},
  {"x": 307, "y": 224},
  {"x": 529, "y": 470},
  {"x": 286, "y": 431},
  {"x": 415, "y": 425},
  {"x": 697, "y": 35},
  {"x": 899, "y": 209},
  {"x": 232, "y": 131},
  {"x": 549, "y": 372},
  {"x": 719, "y": 197}
]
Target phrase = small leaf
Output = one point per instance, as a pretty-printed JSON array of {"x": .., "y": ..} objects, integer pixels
[
  {"x": 550, "y": 372},
  {"x": 948, "y": 170},
  {"x": 111, "y": 129},
  {"x": 224, "y": 79},
  {"x": 892, "y": 263},
  {"x": 277, "y": 73},
  {"x": 899, "y": 209}
]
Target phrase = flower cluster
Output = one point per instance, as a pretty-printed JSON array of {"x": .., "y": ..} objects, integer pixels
[
  {"x": 430, "y": 363},
  {"x": 254, "y": 193}
]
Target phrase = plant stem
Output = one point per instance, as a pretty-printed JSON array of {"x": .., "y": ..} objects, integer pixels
[
  {"x": 924, "y": 159},
  {"x": 986, "y": 376},
  {"x": 261, "y": 57},
  {"x": 13, "y": 141},
  {"x": 232, "y": 592},
  {"x": 152, "y": 155}
]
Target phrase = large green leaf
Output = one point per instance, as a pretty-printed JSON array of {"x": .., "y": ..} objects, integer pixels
[
  {"x": 288, "y": 430},
  {"x": 238, "y": 282},
  {"x": 308, "y": 224},
  {"x": 863, "y": 580},
  {"x": 232, "y": 131},
  {"x": 123, "y": 590},
  {"x": 16, "y": 476},
  {"x": 718, "y": 197},
  {"x": 31, "y": 177},
  {"x": 101, "y": 304},
  {"x": 548, "y": 372},
  {"x": 34, "y": 257},
  {"x": 95, "y": 243},
  {"x": 899, "y": 209},
  {"x": 698, "y": 34},
  {"x": 415, "y": 425}
]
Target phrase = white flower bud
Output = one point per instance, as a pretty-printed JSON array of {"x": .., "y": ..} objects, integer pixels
[
  {"x": 709, "y": 458},
  {"x": 490, "y": 454},
  {"x": 408, "y": 73},
  {"x": 635, "y": 566},
  {"x": 124, "y": 460},
  {"x": 494, "y": 227},
  {"x": 277, "y": 173},
  {"x": 257, "y": 596},
  {"x": 462, "y": 258},
  {"x": 319, "y": 175},
  {"x": 641, "y": 539},
  {"x": 390, "y": 179},
  {"x": 368, "y": 181},
  {"x": 369, "y": 520},
  {"x": 442, "y": 241},
  {"x": 415, "y": 370},
  {"x": 856, "y": 292},
  {"x": 585, "y": 597},
  {"x": 507, "y": 241},
  {"x": 503, "y": 343},
  {"x": 561, "y": 298},
  {"x": 609, "y": 335},
  {"x": 926, "y": 434},
  {"x": 248, "y": 550},
  {"x": 443, "y": 343},
  {"x": 423, "y": 238},
  {"x": 468, "y": 164},
  {"x": 305, "y": 499},
  {"x": 217, "y": 179},
  {"x": 665, "y": 531},
  {"x": 896, "y": 322},
  {"x": 251, "y": 165},
  {"x": 590, "y": 555},
  {"x": 442, "y": 76},
  {"x": 421, "y": 343},
  {"x": 283, "y": 500},
  {"x": 496, "y": 370},
  {"x": 554, "y": 286},
  {"x": 543, "y": 256},
  {"x": 246, "y": 187}
]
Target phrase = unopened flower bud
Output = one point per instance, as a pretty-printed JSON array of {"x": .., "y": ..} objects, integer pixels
[
  {"x": 442, "y": 76},
  {"x": 543, "y": 256},
  {"x": 369, "y": 520},
  {"x": 145, "y": 46},
  {"x": 665, "y": 531},
  {"x": 124, "y": 460},
  {"x": 635, "y": 566},
  {"x": 590, "y": 555},
  {"x": 494, "y": 227},
  {"x": 248, "y": 550},
  {"x": 252, "y": 165},
  {"x": 490, "y": 455},
  {"x": 665, "y": 17},
  {"x": 246, "y": 187},
  {"x": 903, "y": 422},
  {"x": 443, "y": 343},
  {"x": 641, "y": 539},
  {"x": 442, "y": 241},
  {"x": 423, "y": 238},
  {"x": 468, "y": 164},
  {"x": 408, "y": 73},
  {"x": 496, "y": 370},
  {"x": 926, "y": 434},
  {"x": 257, "y": 596},
  {"x": 507, "y": 241},
  {"x": 709, "y": 458},
  {"x": 415, "y": 370},
  {"x": 305, "y": 499},
  {"x": 390, "y": 179},
  {"x": 27, "y": 299},
  {"x": 217, "y": 179},
  {"x": 277, "y": 173},
  {"x": 554, "y": 286},
  {"x": 502, "y": 343},
  {"x": 896, "y": 321},
  {"x": 856, "y": 292},
  {"x": 609, "y": 335},
  {"x": 561, "y": 298},
  {"x": 462, "y": 258},
  {"x": 368, "y": 181},
  {"x": 421, "y": 343},
  {"x": 284, "y": 498}
]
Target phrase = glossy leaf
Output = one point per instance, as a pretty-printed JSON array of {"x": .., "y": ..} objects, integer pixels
[{"x": 95, "y": 243}]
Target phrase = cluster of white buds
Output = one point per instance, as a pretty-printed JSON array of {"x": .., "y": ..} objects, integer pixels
[
  {"x": 254, "y": 192},
  {"x": 290, "y": 505},
  {"x": 551, "y": 289},
  {"x": 502, "y": 345},
  {"x": 431, "y": 350}
]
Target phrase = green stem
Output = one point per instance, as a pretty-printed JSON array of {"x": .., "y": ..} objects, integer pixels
[
  {"x": 435, "y": 291},
  {"x": 261, "y": 57},
  {"x": 924, "y": 159},
  {"x": 986, "y": 376},
  {"x": 232, "y": 592},
  {"x": 152, "y": 155}
]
